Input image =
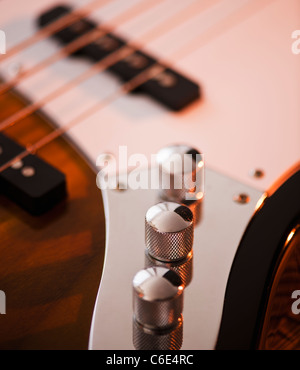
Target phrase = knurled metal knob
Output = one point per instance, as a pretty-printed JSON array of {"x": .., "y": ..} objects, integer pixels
[
  {"x": 157, "y": 309},
  {"x": 184, "y": 268},
  {"x": 169, "y": 232},
  {"x": 181, "y": 169}
]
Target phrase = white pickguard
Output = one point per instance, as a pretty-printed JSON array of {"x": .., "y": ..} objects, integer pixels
[{"x": 248, "y": 117}]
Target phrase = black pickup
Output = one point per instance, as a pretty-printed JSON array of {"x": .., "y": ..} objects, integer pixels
[
  {"x": 31, "y": 183},
  {"x": 170, "y": 88}
]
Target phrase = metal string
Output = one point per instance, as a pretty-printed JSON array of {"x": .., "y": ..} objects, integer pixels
[
  {"x": 180, "y": 17},
  {"x": 238, "y": 16},
  {"x": 80, "y": 42},
  {"x": 55, "y": 27}
]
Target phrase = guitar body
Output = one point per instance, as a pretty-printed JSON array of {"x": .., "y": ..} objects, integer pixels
[
  {"x": 51, "y": 265},
  {"x": 61, "y": 270}
]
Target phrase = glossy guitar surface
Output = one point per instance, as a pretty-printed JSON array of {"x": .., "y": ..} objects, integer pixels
[
  {"x": 51, "y": 264},
  {"x": 245, "y": 120}
]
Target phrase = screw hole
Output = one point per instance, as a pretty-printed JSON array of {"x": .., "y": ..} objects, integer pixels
[
  {"x": 257, "y": 174},
  {"x": 242, "y": 198}
]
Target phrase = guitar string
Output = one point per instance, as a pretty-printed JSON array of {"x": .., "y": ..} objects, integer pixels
[
  {"x": 131, "y": 85},
  {"x": 55, "y": 27},
  {"x": 239, "y": 16},
  {"x": 81, "y": 42},
  {"x": 245, "y": 12},
  {"x": 180, "y": 17}
]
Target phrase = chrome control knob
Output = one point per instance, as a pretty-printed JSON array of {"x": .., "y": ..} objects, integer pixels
[
  {"x": 157, "y": 310},
  {"x": 181, "y": 171},
  {"x": 184, "y": 268},
  {"x": 169, "y": 232}
]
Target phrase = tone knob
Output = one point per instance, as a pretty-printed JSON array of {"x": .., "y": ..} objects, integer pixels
[
  {"x": 184, "y": 268},
  {"x": 157, "y": 310},
  {"x": 169, "y": 232},
  {"x": 181, "y": 173}
]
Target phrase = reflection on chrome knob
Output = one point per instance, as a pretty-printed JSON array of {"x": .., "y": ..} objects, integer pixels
[
  {"x": 182, "y": 173},
  {"x": 184, "y": 268},
  {"x": 169, "y": 232},
  {"x": 157, "y": 307}
]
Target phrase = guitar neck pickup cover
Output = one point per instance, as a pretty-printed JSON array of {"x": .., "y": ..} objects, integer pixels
[
  {"x": 170, "y": 88},
  {"x": 32, "y": 183}
]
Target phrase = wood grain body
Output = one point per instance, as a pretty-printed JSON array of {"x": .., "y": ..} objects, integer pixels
[
  {"x": 51, "y": 265},
  {"x": 281, "y": 329}
]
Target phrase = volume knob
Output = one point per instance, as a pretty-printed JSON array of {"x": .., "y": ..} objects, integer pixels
[
  {"x": 181, "y": 170},
  {"x": 157, "y": 310},
  {"x": 169, "y": 232}
]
